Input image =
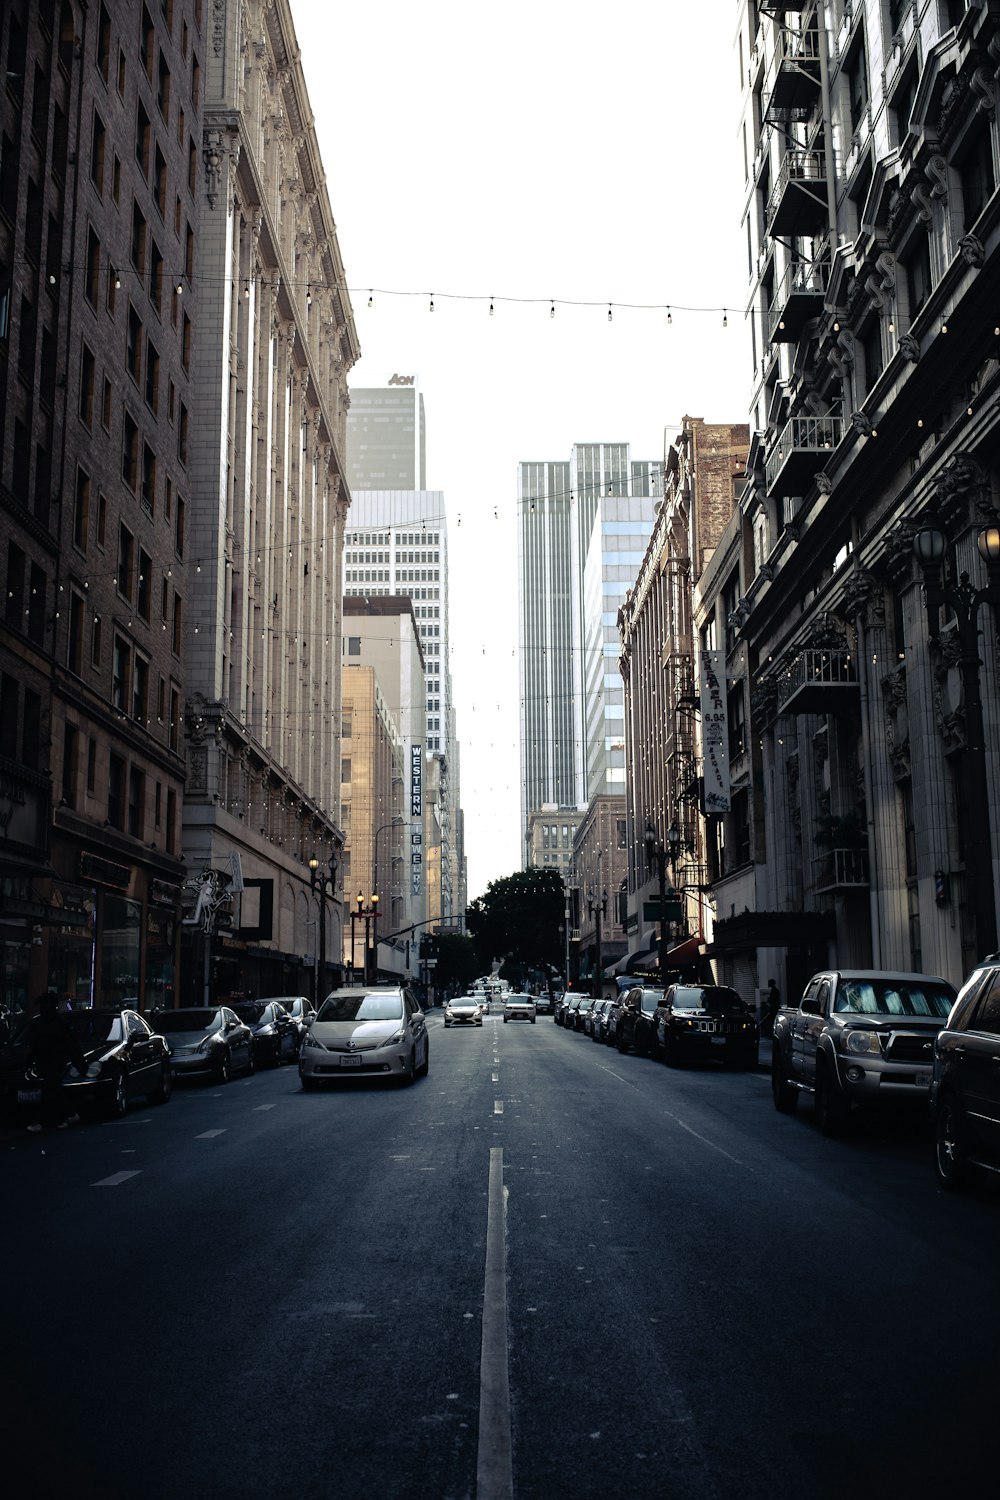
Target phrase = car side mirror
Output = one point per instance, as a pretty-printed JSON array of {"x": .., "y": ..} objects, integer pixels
[{"x": 811, "y": 1006}]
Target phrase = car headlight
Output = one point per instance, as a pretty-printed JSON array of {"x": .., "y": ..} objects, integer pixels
[
  {"x": 861, "y": 1041},
  {"x": 207, "y": 1044},
  {"x": 266, "y": 1030},
  {"x": 310, "y": 1041},
  {"x": 395, "y": 1039}
]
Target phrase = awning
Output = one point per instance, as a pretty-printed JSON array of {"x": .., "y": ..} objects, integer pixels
[
  {"x": 684, "y": 953},
  {"x": 771, "y": 929}
]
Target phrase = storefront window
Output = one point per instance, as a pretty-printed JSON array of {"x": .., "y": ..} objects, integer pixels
[
  {"x": 120, "y": 952},
  {"x": 71, "y": 943},
  {"x": 160, "y": 978}
]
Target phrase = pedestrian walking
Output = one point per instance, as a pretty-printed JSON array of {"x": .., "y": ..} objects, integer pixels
[
  {"x": 52, "y": 1044},
  {"x": 772, "y": 1003}
]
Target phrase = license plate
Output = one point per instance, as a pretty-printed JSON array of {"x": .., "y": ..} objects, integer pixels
[
  {"x": 350, "y": 1062},
  {"x": 29, "y": 1096},
  {"x": 923, "y": 1080},
  {"x": 718, "y": 1041}
]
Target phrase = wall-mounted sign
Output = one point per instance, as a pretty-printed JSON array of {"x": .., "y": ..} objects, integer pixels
[
  {"x": 104, "y": 871},
  {"x": 402, "y": 380},
  {"x": 416, "y": 781},
  {"x": 714, "y": 732}
]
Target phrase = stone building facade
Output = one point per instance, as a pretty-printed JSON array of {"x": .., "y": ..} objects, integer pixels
[
  {"x": 274, "y": 341},
  {"x": 873, "y": 220},
  {"x": 100, "y": 169}
]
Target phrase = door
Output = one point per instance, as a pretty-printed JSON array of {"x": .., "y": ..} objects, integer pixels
[
  {"x": 142, "y": 1059},
  {"x": 806, "y": 1027},
  {"x": 979, "y": 1068}
]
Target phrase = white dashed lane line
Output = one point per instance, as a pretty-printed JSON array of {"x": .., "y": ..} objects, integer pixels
[
  {"x": 498, "y": 1106},
  {"x": 208, "y": 1135},
  {"x": 259, "y": 1107},
  {"x": 115, "y": 1179}
]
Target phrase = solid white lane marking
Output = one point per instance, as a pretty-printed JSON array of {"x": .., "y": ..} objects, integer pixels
[
  {"x": 258, "y": 1107},
  {"x": 208, "y": 1135},
  {"x": 706, "y": 1141},
  {"x": 494, "y": 1466},
  {"x": 498, "y": 1106},
  {"x": 114, "y": 1179},
  {"x": 613, "y": 1074}
]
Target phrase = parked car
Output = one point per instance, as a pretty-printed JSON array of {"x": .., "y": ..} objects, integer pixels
[
  {"x": 565, "y": 1016},
  {"x": 965, "y": 1088},
  {"x": 598, "y": 1019},
  {"x": 858, "y": 1037},
  {"x": 275, "y": 1034},
  {"x": 636, "y": 1020},
  {"x": 519, "y": 1008},
  {"x": 587, "y": 1003},
  {"x": 298, "y": 1007},
  {"x": 464, "y": 1010},
  {"x": 126, "y": 1060},
  {"x": 366, "y": 1031},
  {"x": 206, "y": 1040},
  {"x": 543, "y": 1003},
  {"x": 706, "y": 1021},
  {"x": 612, "y": 1020}
]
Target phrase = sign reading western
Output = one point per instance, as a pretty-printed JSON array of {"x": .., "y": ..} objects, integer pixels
[
  {"x": 416, "y": 781},
  {"x": 714, "y": 732}
]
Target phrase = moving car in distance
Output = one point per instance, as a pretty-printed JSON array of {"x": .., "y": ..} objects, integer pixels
[
  {"x": 464, "y": 1010},
  {"x": 206, "y": 1040},
  {"x": 366, "y": 1030},
  {"x": 519, "y": 1008},
  {"x": 965, "y": 1089}
]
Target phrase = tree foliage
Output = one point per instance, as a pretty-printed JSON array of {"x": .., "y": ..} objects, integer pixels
[
  {"x": 458, "y": 962},
  {"x": 518, "y": 918}
]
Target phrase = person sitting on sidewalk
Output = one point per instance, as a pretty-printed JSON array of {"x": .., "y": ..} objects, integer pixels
[{"x": 52, "y": 1043}]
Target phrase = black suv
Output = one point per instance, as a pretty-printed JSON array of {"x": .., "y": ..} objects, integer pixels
[
  {"x": 636, "y": 1024},
  {"x": 706, "y": 1020},
  {"x": 965, "y": 1088}
]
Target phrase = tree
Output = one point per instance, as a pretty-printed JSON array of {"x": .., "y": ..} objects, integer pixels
[
  {"x": 519, "y": 917},
  {"x": 457, "y": 960}
]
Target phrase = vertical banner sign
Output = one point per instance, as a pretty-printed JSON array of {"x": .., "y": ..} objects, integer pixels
[
  {"x": 714, "y": 732},
  {"x": 416, "y": 811}
]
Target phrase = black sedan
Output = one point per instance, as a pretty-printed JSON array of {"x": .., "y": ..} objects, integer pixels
[
  {"x": 126, "y": 1060},
  {"x": 965, "y": 1091},
  {"x": 275, "y": 1034},
  {"x": 299, "y": 1007},
  {"x": 206, "y": 1040},
  {"x": 706, "y": 1021}
]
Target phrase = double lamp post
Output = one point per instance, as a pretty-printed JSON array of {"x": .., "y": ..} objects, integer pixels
[
  {"x": 322, "y": 883},
  {"x": 656, "y": 850}
]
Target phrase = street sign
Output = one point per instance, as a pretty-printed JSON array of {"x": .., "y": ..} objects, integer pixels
[{"x": 672, "y": 909}]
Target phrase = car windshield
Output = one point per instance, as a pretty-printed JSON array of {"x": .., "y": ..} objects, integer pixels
[
  {"x": 205, "y": 1021},
  {"x": 95, "y": 1028},
  {"x": 250, "y": 1010},
  {"x": 895, "y": 997},
  {"x": 361, "y": 1008},
  {"x": 651, "y": 999},
  {"x": 698, "y": 997}
]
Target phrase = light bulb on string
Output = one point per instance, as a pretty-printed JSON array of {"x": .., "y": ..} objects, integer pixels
[
  {"x": 491, "y": 307},
  {"x": 370, "y": 297},
  {"x": 552, "y": 310},
  {"x": 725, "y": 318},
  {"x": 432, "y": 302},
  {"x": 670, "y": 316},
  {"x": 610, "y": 318}
]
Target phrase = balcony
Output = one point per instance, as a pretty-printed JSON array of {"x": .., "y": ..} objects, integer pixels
[
  {"x": 798, "y": 202},
  {"x": 771, "y": 8},
  {"x": 688, "y": 778},
  {"x": 820, "y": 680},
  {"x": 804, "y": 444},
  {"x": 793, "y": 87},
  {"x": 797, "y": 298},
  {"x": 841, "y": 870}
]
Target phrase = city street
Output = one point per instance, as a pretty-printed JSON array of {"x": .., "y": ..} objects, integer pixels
[{"x": 257, "y": 1291}]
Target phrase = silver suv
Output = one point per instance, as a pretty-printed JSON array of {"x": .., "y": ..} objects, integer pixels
[{"x": 858, "y": 1037}]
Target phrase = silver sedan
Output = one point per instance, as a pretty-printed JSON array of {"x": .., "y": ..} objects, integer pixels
[{"x": 365, "y": 1031}]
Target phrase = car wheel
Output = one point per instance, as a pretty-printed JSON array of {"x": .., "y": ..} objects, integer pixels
[
  {"x": 832, "y": 1110},
  {"x": 950, "y": 1157},
  {"x": 164, "y": 1088},
  {"x": 251, "y": 1066},
  {"x": 784, "y": 1094},
  {"x": 424, "y": 1068},
  {"x": 670, "y": 1054},
  {"x": 532, "y": 1020},
  {"x": 505, "y": 1020},
  {"x": 309, "y": 1085},
  {"x": 446, "y": 1025},
  {"x": 118, "y": 1103},
  {"x": 620, "y": 1042},
  {"x": 224, "y": 1071},
  {"x": 410, "y": 1072}
]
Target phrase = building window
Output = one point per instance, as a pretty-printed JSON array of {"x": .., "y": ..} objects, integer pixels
[
  {"x": 91, "y": 766},
  {"x": 92, "y": 283},
  {"x": 88, "y": 381},
  {"x": 133, "y": 344},
  {"x": 81, "y": 510},
  {"x": 95, "y": 643},
  {"x": 126, "y": 558},
  {"x": 140, "y": 689},
  {"x": 74, "y": 654},
  {"x": 98, "y": 147},
  {"x": 978, "y": 176},
  {"x": 121, "y": 661},
  {"x": 130, "y": 452},
  {"x": 70, "y": 767},
  {"x": 917, "y": 265},
  {"x": 116, "y": 791}
]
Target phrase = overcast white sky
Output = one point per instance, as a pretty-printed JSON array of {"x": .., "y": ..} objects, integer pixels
[{"x": 549, "y": 150}]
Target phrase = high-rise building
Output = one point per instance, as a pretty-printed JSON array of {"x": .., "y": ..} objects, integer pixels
[
  {"x": 397, "y": 543},
  {"x": 558, "y": 504},
  {"x": 386, "y": 437}
]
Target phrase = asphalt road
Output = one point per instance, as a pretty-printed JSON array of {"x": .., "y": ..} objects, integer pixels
[{"x": 677, "y": 1293}]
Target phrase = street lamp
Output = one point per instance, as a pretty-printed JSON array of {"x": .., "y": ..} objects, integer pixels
[
  {"x": 321, "y": 883},
  {"x": 930, "y": 544},
  {"x": 395, "y": 821},
  {"x": 597, "y": 909},
  {"x": 369, "y": 915}
]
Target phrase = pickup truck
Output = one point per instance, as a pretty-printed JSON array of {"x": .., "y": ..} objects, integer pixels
[{"x": 858, "y": 1037}]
